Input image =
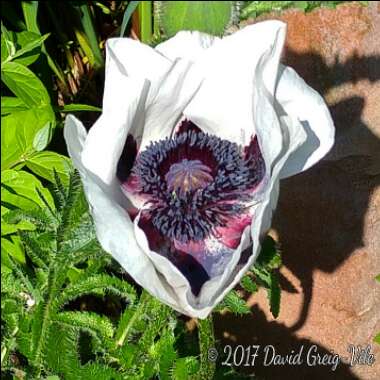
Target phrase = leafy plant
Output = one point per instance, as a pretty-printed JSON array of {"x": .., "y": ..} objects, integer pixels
[
  {"x": 256, "y": 8},
  {"x": 262, "y": 274},
  {"x": 65, "y": 264}
]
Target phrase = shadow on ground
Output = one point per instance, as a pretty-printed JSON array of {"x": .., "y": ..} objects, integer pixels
[{"x": 319, "y": 218}]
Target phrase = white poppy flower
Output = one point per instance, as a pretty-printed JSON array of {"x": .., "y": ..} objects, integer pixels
[{"x": 182, "y": 168}]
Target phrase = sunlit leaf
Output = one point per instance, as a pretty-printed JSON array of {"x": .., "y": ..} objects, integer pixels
[
  {"x": 11, "y": 104},
  {"x": 206, "y": 16},
  {"x": 18, "y": 132},
  {"x": 18, "y": 185},
  {"x": 44, "y": 164},
  {"x": 24, "y": 84}
]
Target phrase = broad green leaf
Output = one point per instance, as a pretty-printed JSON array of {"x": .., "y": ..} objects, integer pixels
[
  {"x": 378, "y": 278},
  {"x": 44, "y": 163},
  {"x": 78, "y": 107},
  {"x": 377, "y": 338},
  {"x": 18, "y": 132},
  {"x": 42, "y": 137},
  {"x": 24, "y": 84},
  {"x": 28, "y": 47},
  {"x": 8, "y": 45},
  {"x": 30, "y": 9},
  {"x": 18, "y": 186},
  {"x": 25, "y": 225},
  {"x": 13, "y": 248},
  {"x": 7, "y": 229},
  {"x": 206, "y": 16},
  {"x": 11, "y": 104},
  {"x": 13, "y": 200}
]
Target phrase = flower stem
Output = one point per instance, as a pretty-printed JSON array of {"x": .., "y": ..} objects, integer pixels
[
  {"x": 207, "y": 346},
  {"x": 145, "y": 13}
]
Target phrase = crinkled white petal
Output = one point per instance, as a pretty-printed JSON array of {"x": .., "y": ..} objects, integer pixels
[
  {"x": 172, "y": 84},
  {"x": 114, "y": 228},
  {"x": 123, "y": 111},
  {"x": 299, "y": 101},
  {"x": 223, "y": 103},
  {"x": 188, "y": 45},
  {"x": 165, "y": 110}
]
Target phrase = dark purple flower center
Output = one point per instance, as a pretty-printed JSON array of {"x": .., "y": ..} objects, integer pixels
[{"x": 195, "y": 182}]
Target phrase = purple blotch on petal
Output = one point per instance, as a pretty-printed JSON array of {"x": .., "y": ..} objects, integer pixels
[
  {"x": 187, "y": 264},
  {"x": 127, "y": 159}
]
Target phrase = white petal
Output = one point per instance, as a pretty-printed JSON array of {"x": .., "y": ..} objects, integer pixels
[
  {"x": 135, "y": 59},
  {"x": 299, "y": 101},
  {"x": 171, "y": 85},
  {"x": 188, "y": 45},
  {"x": 134, "y": 72},
  {"x": 174, "y": 92},
  {"x": 223, "y": 104},
  {"x": 114, "y": 228},
  {"x": 123, "y": 112}
]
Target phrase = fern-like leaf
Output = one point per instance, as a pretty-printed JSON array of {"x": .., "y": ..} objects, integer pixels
[
  {"x": 99, "y": 285},
  {"x": 97, "y": 326},
  {"x": 234, "y": 303}
]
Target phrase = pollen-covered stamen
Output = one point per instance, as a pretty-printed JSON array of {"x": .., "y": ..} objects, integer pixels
[
  {"x": 196, "y": 183},
  {"x": 187, "y": 176}
]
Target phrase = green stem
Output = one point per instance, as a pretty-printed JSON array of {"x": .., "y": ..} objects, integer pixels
[
  {"x": 144, "y": 299},
  {"x": 45, "y": 319},
  {"x": 145, "y": 13},
  {"x": 206, "y": 345}
]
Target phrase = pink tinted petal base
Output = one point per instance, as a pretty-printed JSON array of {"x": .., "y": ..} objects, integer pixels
[{"x": 230, "y": 235}]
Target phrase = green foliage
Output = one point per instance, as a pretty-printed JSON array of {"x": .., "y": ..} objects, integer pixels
[
  {"x": 206, "y": 16},
  {"x": 39, "y": 316},
  {"x": 132, "y": 5},
  {"x": 262, "y": 274},
  {"x": 40, "y": 319},
  {"x": 256, "y": 8}
]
